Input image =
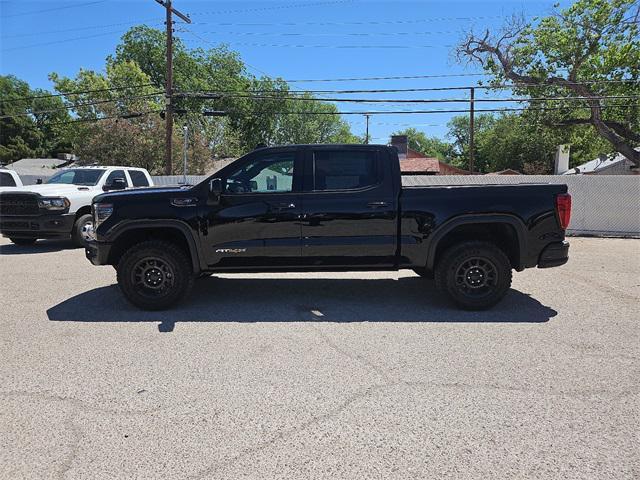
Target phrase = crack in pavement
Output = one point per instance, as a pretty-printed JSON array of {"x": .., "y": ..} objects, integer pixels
[
  {"x": 85, "y": 406},
  {"x": 77, "y": 439},
  {"x": 352, "y": 356}
]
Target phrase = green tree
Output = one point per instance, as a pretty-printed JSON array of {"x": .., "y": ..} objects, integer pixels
[
  {"x": 580, "y": 54},
  {"x": 459, "y": 135},
  {"x": 256, "y": 110},
  {"x": 430, "y": 146},
  {"x": 30, "y": 127}
]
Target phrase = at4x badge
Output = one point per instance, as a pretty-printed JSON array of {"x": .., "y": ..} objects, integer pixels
[{"x": 230, "y": 250}]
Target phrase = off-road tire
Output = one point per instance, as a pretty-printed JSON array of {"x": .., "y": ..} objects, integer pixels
[
  {"x": 475, "y": 275},
  {"x": 23, "y": 241},
  {"x": 76, "y": 233},
  {"x": 156, "y": 287}
]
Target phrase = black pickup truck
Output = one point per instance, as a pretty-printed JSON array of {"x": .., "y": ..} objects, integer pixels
[{"x": 326, "y": 208}]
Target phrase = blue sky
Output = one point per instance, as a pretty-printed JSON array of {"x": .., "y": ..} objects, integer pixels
[{"x": 308, "y": 39}]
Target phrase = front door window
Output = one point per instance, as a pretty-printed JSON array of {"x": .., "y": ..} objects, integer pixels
[{"x": 267, "y": 174}]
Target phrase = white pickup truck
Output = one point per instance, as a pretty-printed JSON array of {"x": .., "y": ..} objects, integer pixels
[{"x": 61, "y": 207}]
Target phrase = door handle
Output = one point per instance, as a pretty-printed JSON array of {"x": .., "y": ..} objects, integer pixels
[{"x": 377, "y": 204}]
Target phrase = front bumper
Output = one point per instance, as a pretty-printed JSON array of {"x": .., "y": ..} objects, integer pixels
[
  {"x": 37, "y": 226},
  {"x": 554, "y": 255},
  {"x": 97, "y": 252}
]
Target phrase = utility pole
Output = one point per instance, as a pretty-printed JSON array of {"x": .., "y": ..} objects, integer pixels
[
  {"x": 366, "y": 138},
  {"x": 472, "y": 93},
  {"x": 185, "y": 129},
  {"x": 168, "y": 146}
]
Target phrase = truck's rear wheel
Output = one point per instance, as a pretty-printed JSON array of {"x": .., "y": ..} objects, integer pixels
[
  {"x": 475, "y": 275},
  {"x": 80, "y": 234},
  {"x": 154, "y": 275},
  {"x": 23, "y": 241}
]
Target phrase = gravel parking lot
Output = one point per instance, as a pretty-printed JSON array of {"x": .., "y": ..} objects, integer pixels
[{"x": 336, "y": 375}]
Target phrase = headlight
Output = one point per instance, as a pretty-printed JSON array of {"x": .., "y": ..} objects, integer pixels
[
  {"x": 54, "y": 203},
  {"x": 101, "y": 211}
]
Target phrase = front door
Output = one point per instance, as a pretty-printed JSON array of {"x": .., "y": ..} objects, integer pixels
[
  {"x": 256, "y": 222},
  {"x": 349, "y": 208}
]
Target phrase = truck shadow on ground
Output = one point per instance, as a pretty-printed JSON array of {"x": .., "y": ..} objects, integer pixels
[
  {"x": 41, "y": 246},
  {"x": 247, "y": 300}
]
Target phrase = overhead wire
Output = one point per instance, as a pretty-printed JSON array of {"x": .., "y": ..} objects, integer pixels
[
  {"x": 53, "y": 9},
  {"x": 78, "y": 92}
]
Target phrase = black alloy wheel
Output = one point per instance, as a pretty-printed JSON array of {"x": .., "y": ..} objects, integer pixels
[
  {"x": 155, "y": 275},
  {"x": 475, "y": 275}
]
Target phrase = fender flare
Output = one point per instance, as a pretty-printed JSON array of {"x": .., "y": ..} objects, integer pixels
[
  {"x": 194, "y": 246},
  {"x": 448, "y": 226}
]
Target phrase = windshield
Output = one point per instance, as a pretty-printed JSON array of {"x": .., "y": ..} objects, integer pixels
[{"x": 78, "y": 176}]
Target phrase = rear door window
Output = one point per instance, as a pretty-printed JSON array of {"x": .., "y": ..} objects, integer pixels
[
  {"x": 6, "y": 180},
  {"x": 344, "y": 170},
  {"x": 138, "y": 178}
]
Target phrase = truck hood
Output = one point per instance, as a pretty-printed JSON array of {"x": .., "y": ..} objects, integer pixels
[
  {"x": 56, "y": 189},
  {"x": 137, "y": 192}
]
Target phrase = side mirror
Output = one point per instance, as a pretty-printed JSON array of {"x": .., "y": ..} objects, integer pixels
[
  {"x": 116, "y": 184},
  {"x": 215, "y": 187}
]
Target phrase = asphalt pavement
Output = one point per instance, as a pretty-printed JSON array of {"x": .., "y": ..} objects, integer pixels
[{"x": 318, "y": 376}]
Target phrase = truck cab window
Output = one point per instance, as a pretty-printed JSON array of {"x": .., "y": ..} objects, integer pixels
[
  {"x": 116, "y": 174},
  {"x": 6, "y": 180},
  {"x": 138, "y": 178},
  {"x": 266, "y": 174},
  {"x": 342, "y": 170}
]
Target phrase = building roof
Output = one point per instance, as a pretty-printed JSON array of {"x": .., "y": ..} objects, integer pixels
[
  {"x": 507, "y": 171},
  {"x": 37, "y": 166},
  {"x": 598, "y": 164},
  {"x": 446, "y": 169},
  {"x": 416, "y": 163}
]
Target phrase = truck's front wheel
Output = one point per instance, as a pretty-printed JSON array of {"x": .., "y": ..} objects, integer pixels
[
  {"x": 80, "y": 234},
  {"x": 154, "y": 275},
  {"x": 475, "y": 275}
]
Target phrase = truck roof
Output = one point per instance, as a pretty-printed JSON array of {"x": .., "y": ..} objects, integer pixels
[
  {"x": 100, "y": 167},
  {"x": 323, "y": 145}
]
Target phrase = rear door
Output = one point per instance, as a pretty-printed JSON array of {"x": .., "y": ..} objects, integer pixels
[
  {"x": 349, "y": 209},
  {"x": 256, "y": 223}
]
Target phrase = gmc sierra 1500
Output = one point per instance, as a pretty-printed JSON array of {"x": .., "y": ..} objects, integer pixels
[{"x": 327, "y": 207}]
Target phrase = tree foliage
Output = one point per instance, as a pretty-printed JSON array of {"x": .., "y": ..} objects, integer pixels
[
  {"x": 580, "y": 54},
  {"x": 30, "y": 127},
  {"x": 257, "y": 110},
  {"x": 430, "y": 146}
]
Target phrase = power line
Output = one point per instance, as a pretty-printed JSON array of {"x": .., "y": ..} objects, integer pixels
[
  {"x": 186, "y": 30},
  {"x": 372, "y": 22},
  {"x": 434, "y": 89},
  {"x": 403, "y": 112},
  {"x": 378, "y": 100},
  {"x": 76, "y": 29},
  {"x": 411, "y": 112},
  {"x": 277, "y": 7},
  {"x": 84, "y": 104},
  {"x": 125, "y": 116},
  {"x": 54, "y": 42},
  {"x": 396, "y": 77},
  {"x": 34, "y": 12},
  {"x": 338, "y": 34},
  {"x": 368, "y": 47},
  {"x": 78, "y": 92}
]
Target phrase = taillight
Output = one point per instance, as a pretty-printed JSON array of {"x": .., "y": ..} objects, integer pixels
[{"x": 563, "y": 209}]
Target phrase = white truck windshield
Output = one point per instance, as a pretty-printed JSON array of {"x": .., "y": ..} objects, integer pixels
[{"x": 78, "y": 176}]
